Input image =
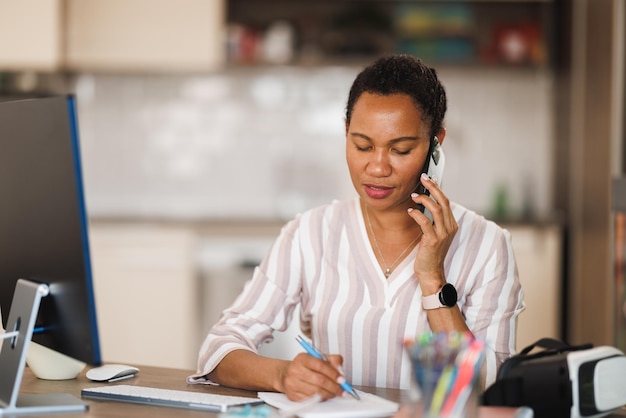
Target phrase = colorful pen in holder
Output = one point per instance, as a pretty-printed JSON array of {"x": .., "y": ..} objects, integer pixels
[{"x": 446, "y": 367}]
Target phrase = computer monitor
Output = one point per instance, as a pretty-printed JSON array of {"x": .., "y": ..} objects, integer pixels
[{"x": 43, "y": 222}]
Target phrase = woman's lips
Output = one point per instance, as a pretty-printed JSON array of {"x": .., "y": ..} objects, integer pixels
[{"x": 377, "y": 192}]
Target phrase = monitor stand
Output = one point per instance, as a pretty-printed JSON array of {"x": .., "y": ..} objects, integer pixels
[{"x": 20, "y": 325}]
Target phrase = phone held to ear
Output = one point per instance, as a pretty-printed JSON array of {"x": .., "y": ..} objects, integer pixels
[{"x": 435, "y": 163}]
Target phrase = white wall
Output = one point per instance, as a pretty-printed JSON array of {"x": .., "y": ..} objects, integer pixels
[{"x": 266, "y": 143}]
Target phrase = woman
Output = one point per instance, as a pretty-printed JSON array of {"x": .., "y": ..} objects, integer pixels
[{"x": 359, "y": 268}]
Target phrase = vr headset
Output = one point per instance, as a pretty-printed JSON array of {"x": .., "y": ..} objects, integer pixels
[{"x": 562, "y": 381}]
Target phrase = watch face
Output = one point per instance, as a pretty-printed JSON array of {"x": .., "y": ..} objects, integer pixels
[{"x": 448, "y": 295}]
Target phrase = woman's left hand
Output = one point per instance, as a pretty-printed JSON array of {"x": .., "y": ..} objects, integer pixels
[{"x": 437, "y": 236}]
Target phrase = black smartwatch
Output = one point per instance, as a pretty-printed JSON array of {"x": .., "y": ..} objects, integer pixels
[{"x": 444, "y": 298}]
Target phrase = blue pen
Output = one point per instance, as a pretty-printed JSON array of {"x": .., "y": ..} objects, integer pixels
[{"x": 312, "y": 351}]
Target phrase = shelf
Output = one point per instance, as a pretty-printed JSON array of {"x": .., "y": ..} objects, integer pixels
[{"x": 476, "y": 32}]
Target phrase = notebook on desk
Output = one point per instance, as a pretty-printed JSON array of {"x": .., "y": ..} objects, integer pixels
[
  {"x": 369, "y": 406},
  {"x": 168, "y": 397}
]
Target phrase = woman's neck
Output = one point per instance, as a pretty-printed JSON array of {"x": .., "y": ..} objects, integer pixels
[{"x": 390, "y": 223}]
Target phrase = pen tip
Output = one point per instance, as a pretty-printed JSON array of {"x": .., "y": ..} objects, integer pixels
[{"x": 356, "y": 395}]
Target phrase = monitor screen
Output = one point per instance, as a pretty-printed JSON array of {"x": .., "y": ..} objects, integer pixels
[{"x": 43, "y": 223}]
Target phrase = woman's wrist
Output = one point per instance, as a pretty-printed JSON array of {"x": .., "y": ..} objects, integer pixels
[
  {"x": 431, "y": 284},
  {"x": 279, "y": 383}
]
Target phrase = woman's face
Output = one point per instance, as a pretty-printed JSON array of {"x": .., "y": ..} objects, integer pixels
[{"x": 386, "y": 146}]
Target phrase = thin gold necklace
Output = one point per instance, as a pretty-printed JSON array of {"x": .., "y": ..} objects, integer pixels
[{"x": 388, "y": 268}]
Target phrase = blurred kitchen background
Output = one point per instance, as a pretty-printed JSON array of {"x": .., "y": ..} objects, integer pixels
[{"x": 206, "y": 124}]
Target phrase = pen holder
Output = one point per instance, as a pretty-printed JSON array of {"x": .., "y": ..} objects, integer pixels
[{"x": 445, "y": 368}]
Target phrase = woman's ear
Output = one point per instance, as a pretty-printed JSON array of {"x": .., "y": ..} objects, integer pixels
[{"x": 441, "y": 135}]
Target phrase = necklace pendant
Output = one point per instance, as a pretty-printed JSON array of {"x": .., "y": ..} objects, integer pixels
[{"x": 387, "y": 272}]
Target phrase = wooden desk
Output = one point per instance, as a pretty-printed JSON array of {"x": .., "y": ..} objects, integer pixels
[
  {"x": 176, "y": 379},
  {"x": 157, "y": 377}
]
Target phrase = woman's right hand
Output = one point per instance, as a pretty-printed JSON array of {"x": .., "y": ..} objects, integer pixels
[{"x": 306, "y": 375}]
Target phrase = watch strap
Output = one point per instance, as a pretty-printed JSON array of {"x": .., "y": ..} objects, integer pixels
[
  {"x": 445, "y": 297},
  {"x": 432, "y": 301}
]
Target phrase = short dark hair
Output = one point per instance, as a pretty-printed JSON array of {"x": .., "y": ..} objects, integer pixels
[{"x": 403, "y": 74}]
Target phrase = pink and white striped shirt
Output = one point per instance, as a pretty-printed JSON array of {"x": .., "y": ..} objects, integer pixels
[{"x": 323, "y": 261}]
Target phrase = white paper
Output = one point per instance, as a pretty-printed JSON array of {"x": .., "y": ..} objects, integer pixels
[{"x": 370, "y": 406}]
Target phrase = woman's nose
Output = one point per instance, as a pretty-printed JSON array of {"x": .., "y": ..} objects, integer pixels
[{"x": 379, "y": 165}]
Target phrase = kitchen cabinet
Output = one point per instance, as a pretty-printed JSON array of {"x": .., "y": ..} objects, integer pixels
[
  {"x": 539, "y": 254},
  {"x": 111, "y": 35},
  {"x": 144, "y": 35},
  {"x": 30, "y": 35},
  {"x": 146, "y": 293}
]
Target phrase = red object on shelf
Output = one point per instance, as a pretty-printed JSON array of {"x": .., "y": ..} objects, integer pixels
[{"x": 516, "y": 43}]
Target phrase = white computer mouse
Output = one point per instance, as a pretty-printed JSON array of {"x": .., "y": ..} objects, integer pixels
[{"x": 111, "y": 372}]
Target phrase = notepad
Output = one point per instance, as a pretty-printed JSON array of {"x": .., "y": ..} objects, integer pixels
[{"x": 370, "y": 406}]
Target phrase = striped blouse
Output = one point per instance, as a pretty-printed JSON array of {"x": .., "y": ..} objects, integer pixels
[{"x": 323, "y": 261}]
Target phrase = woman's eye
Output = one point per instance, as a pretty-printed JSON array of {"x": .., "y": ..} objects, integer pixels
[
  {"x": 402, "y": 152},
  {"x": 363, "y": 148}
]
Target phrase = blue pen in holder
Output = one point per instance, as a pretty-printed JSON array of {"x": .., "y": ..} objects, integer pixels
[{"x": 446, "y": 368}]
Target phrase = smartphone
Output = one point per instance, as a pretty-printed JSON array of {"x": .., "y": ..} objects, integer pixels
[{"x": 434, "y": 165}]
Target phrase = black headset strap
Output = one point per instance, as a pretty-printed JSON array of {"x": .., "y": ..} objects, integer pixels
[{"x": 551, "y": 346}]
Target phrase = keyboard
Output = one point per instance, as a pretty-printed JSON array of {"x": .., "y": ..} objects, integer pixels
[{"x": 168, "y": 397}]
